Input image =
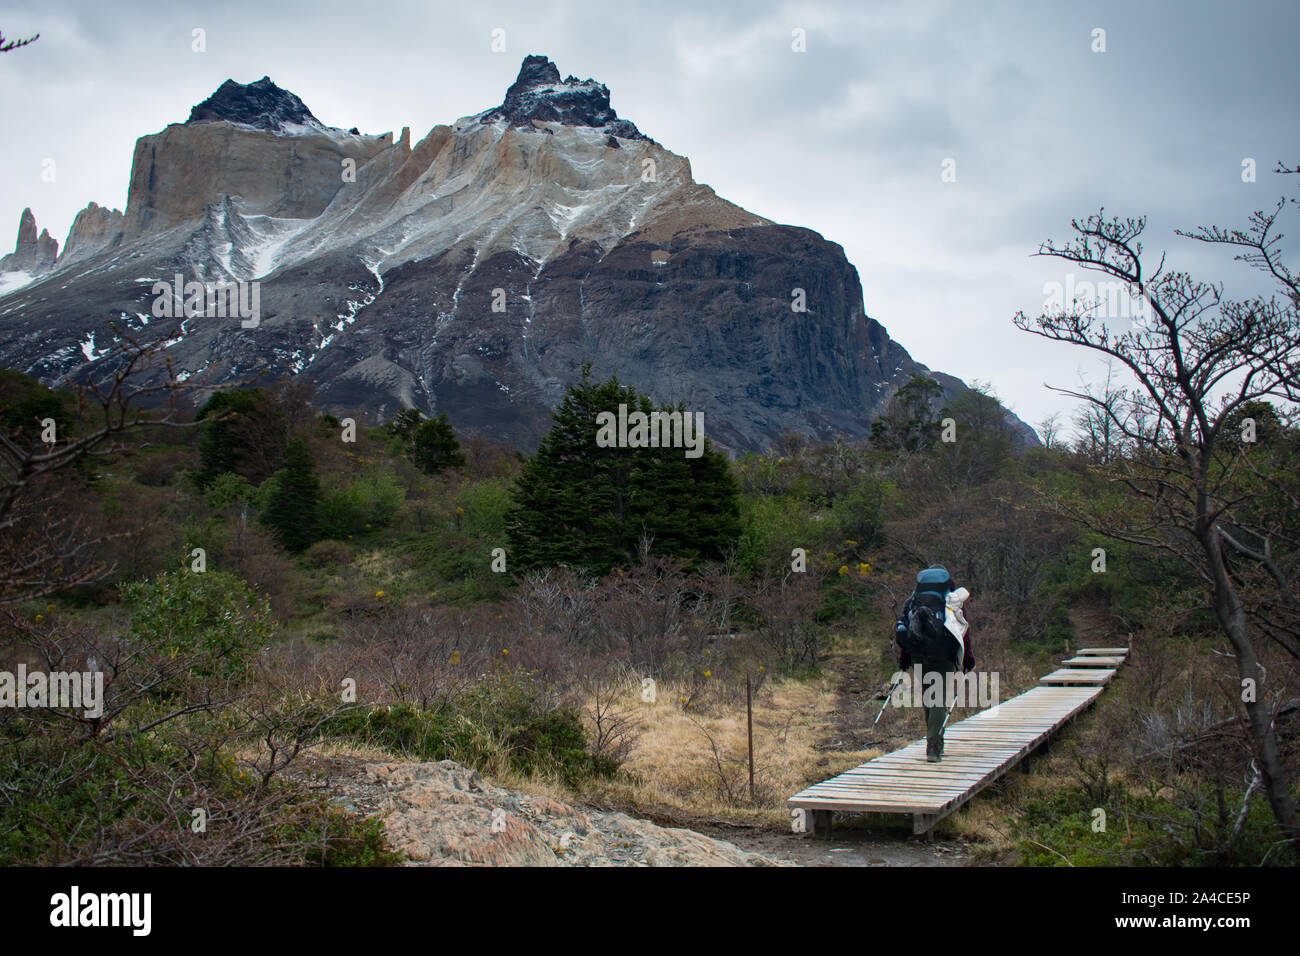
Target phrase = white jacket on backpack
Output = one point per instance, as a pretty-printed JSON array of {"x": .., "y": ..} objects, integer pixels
[{"x": 954, "y": 620}]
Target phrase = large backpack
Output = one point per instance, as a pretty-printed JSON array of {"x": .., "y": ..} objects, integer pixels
[{"x": 926, "y": 637}]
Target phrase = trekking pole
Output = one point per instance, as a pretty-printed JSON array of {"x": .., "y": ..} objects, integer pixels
[
  {"x": 888, "y": 695},
  {"x": 952, "y": 705},
  {"x": 949, "y": 714}
]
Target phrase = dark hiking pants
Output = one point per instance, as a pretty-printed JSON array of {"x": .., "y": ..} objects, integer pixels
[{"x": 935, "y": 715}]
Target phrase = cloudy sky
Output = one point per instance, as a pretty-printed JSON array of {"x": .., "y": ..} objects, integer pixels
[{"x": 850, "y": 138}]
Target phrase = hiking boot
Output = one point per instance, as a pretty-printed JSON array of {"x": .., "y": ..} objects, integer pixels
[{"x": 932, "y": 753}]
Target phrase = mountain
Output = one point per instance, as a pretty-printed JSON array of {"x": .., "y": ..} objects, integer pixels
[{"x": 472, "y": 273}]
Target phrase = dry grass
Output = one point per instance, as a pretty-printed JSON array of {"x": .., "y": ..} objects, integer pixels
[
  {"x": 383, "y": 569},
  {"x": 693, "y": 760}
]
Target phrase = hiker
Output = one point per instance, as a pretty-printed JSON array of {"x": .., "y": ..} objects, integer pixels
[{"x": 933, "y": 632}]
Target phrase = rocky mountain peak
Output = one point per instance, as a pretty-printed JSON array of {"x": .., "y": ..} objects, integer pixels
[
  {"x": 535, "y": 71},
  {"x": 26, "y": 227},
  {"x": 261, "y": 104},
  {"x": 32, "y": 253},
  {"x": 539, "y": 94}
]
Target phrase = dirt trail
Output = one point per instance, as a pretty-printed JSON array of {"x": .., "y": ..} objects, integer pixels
[
  {"x": 1094, "y": 627},
  {"x": 848, "y": 846}
]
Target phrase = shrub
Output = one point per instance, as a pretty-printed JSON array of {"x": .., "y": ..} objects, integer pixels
[
  {"x": 214, "y": 616},
  {"x": 159, "y": 469},
  {"x": 129, "y": 789},
  {"x": 326, "y": 554},
  {"x": 486, "y": 505},
  {"x": 503, "y": 721},
  {"x": 373, "y": 499},
  {"x": 228, "y": 489}
]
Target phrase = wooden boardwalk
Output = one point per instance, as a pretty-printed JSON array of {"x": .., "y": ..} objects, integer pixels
[{"x": 976, "y": 752}]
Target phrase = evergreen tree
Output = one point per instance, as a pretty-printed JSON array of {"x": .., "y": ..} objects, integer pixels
[
  {"x": 293, "y": 503},
  {"x": 244, "y": 431},
  {"x": 404, "y": 424},
  {"x": 690, "y": 507},
  {"x": 585, "y": 505},
  {"x": 909, "y": 421},
  {"x": 25, "y": 403},
  {"x": 434, "y": 445}
]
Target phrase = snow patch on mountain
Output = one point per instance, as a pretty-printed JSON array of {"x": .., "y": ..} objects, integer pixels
[{"x": 13, "y": 281}]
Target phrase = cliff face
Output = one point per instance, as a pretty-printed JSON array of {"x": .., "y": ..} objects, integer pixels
[
  {"x": 256, "y": 142},
  {"x": 472, "y": 273}
]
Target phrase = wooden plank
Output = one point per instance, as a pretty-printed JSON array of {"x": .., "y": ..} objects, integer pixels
[
  {"x": 1078, "y": 675},
  {"x": 1103, "y": 651},
  {"x": 1092, "y": 660}
]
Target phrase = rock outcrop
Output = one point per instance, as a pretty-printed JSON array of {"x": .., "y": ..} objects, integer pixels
[
  {"x": 94, "y": 230},
  {"x": 261, "y": 104},
  {"x": 443, "y": 814},
  {"x": 538, "y": 94},
  {"x": 32, "y": 253}
]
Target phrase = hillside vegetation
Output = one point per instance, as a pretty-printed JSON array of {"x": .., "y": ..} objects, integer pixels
[{"x": 256, "y": 583}]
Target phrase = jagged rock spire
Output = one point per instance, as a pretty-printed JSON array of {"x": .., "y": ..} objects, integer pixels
[
  {"x": 538, "y": 93},
  {"x": 32, "y": 253}
]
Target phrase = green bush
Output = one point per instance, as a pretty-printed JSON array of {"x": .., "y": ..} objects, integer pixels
[
  {"x": 126, "y": 789},
  {"x": 502, "y": 719},
  {"x": 1143, "y": 830},
  {"x": 486, "y": 506},
  {"x": 772, "y": 527},
  {"x": 228, "y": 489},
  {"x": 327, "y": 554},
  {"x": 372, "y": 499},
  {"x": 340, "y": 838},
  {"x": 213, "y": 617},
  {"x": 857, "y": 512}
]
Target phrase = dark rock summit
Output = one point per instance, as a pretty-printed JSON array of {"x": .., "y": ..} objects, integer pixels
[
  {"x": 539, "y": 94},
  {"x": 261, "y": 104}
]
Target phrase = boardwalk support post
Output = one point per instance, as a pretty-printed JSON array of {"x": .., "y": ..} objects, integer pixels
[{"x": 822, "y": 823}]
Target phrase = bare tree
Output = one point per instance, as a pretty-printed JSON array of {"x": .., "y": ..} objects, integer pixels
[
  {"x": 1049, "y": 430},
  {"x": 7, "y": 45},
  {"x": 44, "y": 548},
  {"x": 1195, "y": 365},
  {"x": 1097, "y": 438}
]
